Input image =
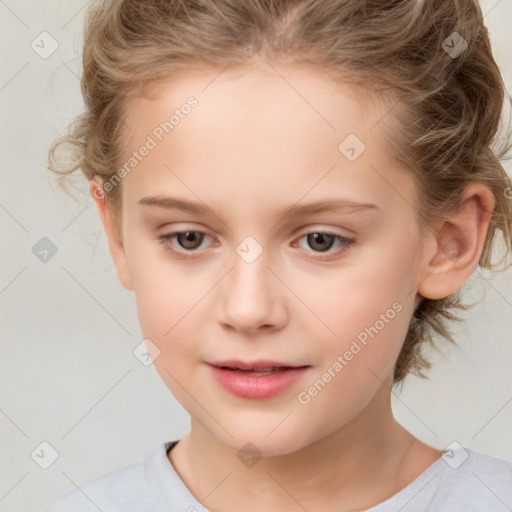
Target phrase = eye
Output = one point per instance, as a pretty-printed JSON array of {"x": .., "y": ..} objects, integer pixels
[
  {"x": 188, "y": 241},
  {"x": 322, "y": 242}
]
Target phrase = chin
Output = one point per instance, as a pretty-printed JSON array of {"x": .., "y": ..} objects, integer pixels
[{"x": 263, "y": 439}]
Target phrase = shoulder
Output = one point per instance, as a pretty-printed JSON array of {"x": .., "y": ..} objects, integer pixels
[
  {"x": 475, "y": 480},
  {"x": 461, "y": 480},
  {"x": 124, "y": 489}
]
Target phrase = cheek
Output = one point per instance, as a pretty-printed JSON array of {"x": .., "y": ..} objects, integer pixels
[
  {"x": 164, "y": 304},
  {"x": 353, "y": 365},
  {"x": 173, "y": 306},
  {"x": 368, "y": 309},
  {"x": 165, "y": 291},
  {"x": 168, "y": 304},
  {"x": 364, "y": 297}
]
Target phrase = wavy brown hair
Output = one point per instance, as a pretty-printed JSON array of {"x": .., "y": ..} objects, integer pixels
[{"x": 446, "y": 109}]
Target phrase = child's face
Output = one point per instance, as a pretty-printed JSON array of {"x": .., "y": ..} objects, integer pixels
[{"x": 255, "y": 145}]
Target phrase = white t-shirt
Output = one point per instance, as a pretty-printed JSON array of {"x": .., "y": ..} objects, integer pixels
[{"x": 460, "y": 481}]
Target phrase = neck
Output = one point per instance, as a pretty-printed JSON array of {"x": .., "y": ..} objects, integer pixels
[{"x": 359, "y": 465}]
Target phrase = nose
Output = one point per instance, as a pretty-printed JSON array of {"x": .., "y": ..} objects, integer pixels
[{"x": 253, "y": 299}]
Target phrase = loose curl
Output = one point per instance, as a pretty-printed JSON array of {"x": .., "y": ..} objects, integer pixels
[{"x": 447, "y": 110}]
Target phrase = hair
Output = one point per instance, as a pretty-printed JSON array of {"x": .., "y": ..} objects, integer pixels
[{"x": 447, "y": 108}]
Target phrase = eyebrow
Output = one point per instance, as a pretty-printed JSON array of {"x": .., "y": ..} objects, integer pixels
[{"x": 295, "y": 210}]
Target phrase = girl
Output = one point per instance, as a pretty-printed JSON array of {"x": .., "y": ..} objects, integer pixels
[{"x": 296, "y": 191}]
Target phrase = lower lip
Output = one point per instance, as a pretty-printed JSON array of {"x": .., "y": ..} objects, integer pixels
[{"x": 246, "y": 385}]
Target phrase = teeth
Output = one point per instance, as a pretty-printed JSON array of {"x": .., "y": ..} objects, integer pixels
[
  {"x": 268, "y": 369},
  {"x": 261, "y": 371}
]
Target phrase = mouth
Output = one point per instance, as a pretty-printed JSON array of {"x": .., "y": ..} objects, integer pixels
[
  {"x": 270, "y": 370},
  {"x": 255, "y": 367},
  {"x": 256, "y": 379}
]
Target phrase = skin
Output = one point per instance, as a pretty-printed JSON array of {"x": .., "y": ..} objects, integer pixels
[{"x": 253, "y": 147}]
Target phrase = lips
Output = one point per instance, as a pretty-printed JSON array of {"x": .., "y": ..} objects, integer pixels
[
  {"x": 256, "y": 379},
  {"x": 262, "y": 367},
  {"x": 258, "y": 371}
]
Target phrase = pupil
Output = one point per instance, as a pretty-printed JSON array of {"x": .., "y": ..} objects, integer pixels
[
  {"x": 189, "y": 239},
  {"x": 320, "y": 238},
  {"x": 322, "y": 241}
]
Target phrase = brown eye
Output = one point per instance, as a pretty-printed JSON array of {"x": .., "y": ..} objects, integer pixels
[
  {"x": 190, "y": 239},
  {"x": 183, "y": 243},
  {"x": 319, "y": 245},
  {"x": 321, "y": 241}
]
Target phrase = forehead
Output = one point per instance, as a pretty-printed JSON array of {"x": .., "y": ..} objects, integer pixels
[
  {"x": 268, "y": 124},
  {"x": 282, "y": 89}
]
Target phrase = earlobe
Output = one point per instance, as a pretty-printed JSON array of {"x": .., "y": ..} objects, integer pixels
[
  {"x": 115, "y": 244},
  {"x": 458, "y": 244}
]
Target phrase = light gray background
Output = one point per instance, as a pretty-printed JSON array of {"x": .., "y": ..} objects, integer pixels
[{"x": 68, "y": 374}]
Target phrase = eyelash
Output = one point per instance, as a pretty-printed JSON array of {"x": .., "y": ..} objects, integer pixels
[{"x": 182, "y": 254}]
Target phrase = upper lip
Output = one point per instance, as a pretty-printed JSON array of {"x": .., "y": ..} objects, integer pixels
[{"x": 254, "y": 365}]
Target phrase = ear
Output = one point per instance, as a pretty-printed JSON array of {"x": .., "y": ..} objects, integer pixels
[
  {"x": 115, "y": 243},
  {"x": 458, "y": 243}
]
